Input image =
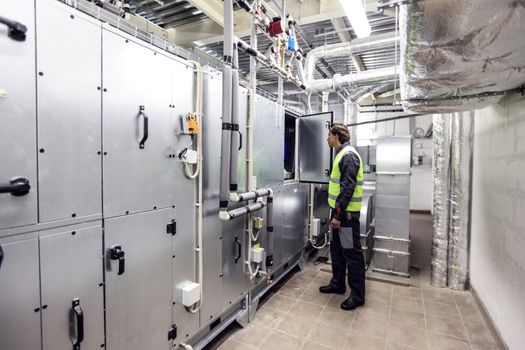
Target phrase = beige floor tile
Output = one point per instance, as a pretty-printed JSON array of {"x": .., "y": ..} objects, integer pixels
[
  {"x": 484, "y": 347},
  {"x": 336, "y": 300},
  {"x": 442, "y": 342},
  {"x": 295, "y": 325},
  {"x": 327, "y": 336},
  {"x": 357, "y": 341},
  {"x": 267, "y": 317},
  {"x": 309, "y": 271},
  {"x": 439, "y": 295},
  {"x": 471, "y": 314},
  {"x": 375, "y": 286},
  {"x": 412, "y": 292},
  {"x": 300, "y": 280},
  {"x": 231, "y": 344},
  {"x": 390, "y": 345},
  {"x": 408, "y": 303},
  {"x": 308, "y": 345},
  {"x": 410, "y": 336},
  {"x": 440, "y": 309},
  {"x": 252, "y": 335},
  {"x": 443, "y": 325},
  {"x": 369, "y": 326},
  {"x": 376, "y": 297},
  {"x": 408, "y": 318},
  {"x": 374, "y": 310},
  {"x": 306, "y": 310},
  {"x": 337, "y": 318},
  {"x": 480, "y": 334},
  {"x": 281, "y": 341},
  {"x": 323, "y": 278},
  {"x": 290, "y": 290},
  {"x": 313, "y": 296},
  {"x": 280, "y": 302},
  {"x": 464, "y": 298}
]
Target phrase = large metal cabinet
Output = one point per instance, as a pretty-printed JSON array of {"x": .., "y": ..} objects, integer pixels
[
  {"x": 19, "y": 296},
  {"x": 138, "y": 264},
  {"x": 40, "y": 278},
  {"x": 315, "y": 157},
  {"x": 69, "y": 112},
  {"x": 18, "y": 115},
  {"x": 137, "y": 127},
  {"x": 295, "y": 206},
  {"x": 71, "y": 279}
]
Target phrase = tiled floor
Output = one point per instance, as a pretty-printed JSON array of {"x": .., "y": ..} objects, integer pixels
[{"x": 394, "y": 317}]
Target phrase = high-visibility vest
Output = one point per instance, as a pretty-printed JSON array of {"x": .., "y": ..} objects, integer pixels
[{"x": 334, "y": 187}]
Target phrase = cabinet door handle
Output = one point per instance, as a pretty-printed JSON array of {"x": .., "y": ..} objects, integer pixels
[
  {"x": 17, "y": 31},
  {"x": 144, "y": 127},
  {"x": 79, "y": 318},
  {"x": 1, "y": 256},
  {"x": 17, "y": 187},
  {"x": 116, "y": 253},
  {"x": 239, "y": 249}
]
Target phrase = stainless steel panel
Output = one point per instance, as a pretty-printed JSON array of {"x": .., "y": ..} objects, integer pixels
[
  {"x": 268, "y": 143},
  {"x": 19, "y": 296},
  {"x": 139, "y": 301},
  {"x": 321, "y": 207},
  {"x": 394, "y": 153},
  {"x": 69, "y": 113},
  {"x": 235, "y": 278},
  {"x": 18, "y": 115},
  {"x": 314, "y": 153},
  {"x": 398, "y": 185},
  {"x": 392, "y": 222},
  {"x": 70, "y": 268},
  {"x": 392, "y": 243},
  {"x": 136, "y": 179},
  {"x": 295, "y": 205},
  {"x": 212, "y": 244},
  {"x": 388, "y": 261}
]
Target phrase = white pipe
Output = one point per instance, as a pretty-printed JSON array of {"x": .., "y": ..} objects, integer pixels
[
  {"x": 198, "y": 173},
  {"x": 346, "y": 49},
  {"x": 339, "y": 81}
]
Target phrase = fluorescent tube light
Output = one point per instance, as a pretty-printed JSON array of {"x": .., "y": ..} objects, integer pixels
[{"x": 357, "y": 15}]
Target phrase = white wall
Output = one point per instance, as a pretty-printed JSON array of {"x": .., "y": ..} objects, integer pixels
[{"x": 497, "y": 260}]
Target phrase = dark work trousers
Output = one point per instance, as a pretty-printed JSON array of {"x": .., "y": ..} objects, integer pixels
[{"x": 349, "y": 259}]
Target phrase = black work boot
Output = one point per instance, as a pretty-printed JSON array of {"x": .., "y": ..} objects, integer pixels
[
  {"x": 350, "y": 304},
  {"x": 331, "y": 289}
]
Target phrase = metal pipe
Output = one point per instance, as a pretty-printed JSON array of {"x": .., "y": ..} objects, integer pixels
[
  {"x": 339, "y": 81},
  {"x": 240, "y": 197},
  {"x": 234, "y": 213},
  {"x": 346, "y": 49},
  {"x": 226, "y": 105},
  {"x": 235, "y": 136}
]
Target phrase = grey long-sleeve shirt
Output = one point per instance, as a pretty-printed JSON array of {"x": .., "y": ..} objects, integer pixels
[{"x": 349, "y": 167}]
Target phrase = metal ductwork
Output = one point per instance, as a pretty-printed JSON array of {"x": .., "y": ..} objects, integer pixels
[
  {"x": 452, "y": 49},
  {"x": 367, "y": 77}
]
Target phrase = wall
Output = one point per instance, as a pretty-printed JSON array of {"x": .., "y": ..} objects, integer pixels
[{"x": 497, "y": 260}]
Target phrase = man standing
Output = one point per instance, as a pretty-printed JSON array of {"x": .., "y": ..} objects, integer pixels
[{"x": 344, "y": 197}]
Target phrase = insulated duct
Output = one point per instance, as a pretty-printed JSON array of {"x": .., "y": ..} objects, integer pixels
[
  {"x": 441, "y": 167},
  {"x": 366, "y": 77},
  {"x": 346, "y": 49},
  {"x": 235, "y": 132},
  {"x": 455, "y": 48},
  {"x": 461, "y": 158}
]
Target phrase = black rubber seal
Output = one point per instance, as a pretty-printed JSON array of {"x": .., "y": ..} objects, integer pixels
[
  {"x": 223, "y": 204},
  {"x": 269, "y": 229},
  {"x": 227, "y": 126},
  {"x": 233, "y": 187}
]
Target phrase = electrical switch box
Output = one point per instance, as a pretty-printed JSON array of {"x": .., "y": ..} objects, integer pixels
[
  {"x": 188, "y": 293},
  {"x": 316, "y": 227},
  {"x": 189, "y": 124},
  {"x": 258, "y": 255}
]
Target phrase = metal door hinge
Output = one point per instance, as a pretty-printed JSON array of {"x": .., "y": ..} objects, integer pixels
[
  {"x": 172, "y": 333},
  {"x": 171, "y": 228}
]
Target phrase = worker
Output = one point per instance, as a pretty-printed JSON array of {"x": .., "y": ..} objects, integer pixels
[{"x": 344, "y": 197}]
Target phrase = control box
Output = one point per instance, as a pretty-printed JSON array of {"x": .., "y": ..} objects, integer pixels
[{"x": 188, "y": 293}]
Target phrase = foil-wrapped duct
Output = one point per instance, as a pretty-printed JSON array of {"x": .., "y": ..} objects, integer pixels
[
  {"x": 460, "y": 173},
  {"x": 453, "y": 48},
  {"x": 441, "y": 167}
]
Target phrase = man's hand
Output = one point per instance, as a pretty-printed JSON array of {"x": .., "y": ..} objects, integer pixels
[{"x": 335, "y": 224}]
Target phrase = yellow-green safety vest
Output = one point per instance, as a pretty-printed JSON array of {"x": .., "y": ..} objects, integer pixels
[{"x": 334, "y": 187}]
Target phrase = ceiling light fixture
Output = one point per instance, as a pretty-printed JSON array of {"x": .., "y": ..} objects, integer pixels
[{"x": 356, "y": 13}]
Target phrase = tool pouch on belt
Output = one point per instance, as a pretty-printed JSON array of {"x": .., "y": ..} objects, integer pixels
[{"x": 346, "y": 235}]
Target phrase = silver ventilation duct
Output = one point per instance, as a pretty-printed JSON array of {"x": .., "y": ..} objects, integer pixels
[
  {"x": 366, "y": 77},
  {"x": 441, "y": 204},
  {"x": 460, "y": 172},
  {"x": 453, "y": 48}
]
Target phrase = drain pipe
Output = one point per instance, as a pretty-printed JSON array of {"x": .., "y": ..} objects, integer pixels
[
  {"x": 226, "y": 108},
  {"x": 235, "y": 136}
]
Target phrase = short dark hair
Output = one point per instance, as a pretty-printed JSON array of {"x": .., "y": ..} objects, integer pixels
[{"x": 341, "y": 131}]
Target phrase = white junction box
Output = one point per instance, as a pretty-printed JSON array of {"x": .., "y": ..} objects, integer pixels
[
  {"x": 257, "y": 255},
  {"x": 316, "y": 227},
  {"x": 188, "y": 293}
]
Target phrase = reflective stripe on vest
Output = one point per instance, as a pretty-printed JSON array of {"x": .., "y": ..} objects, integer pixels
[{"x": 334, "y": 187}]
